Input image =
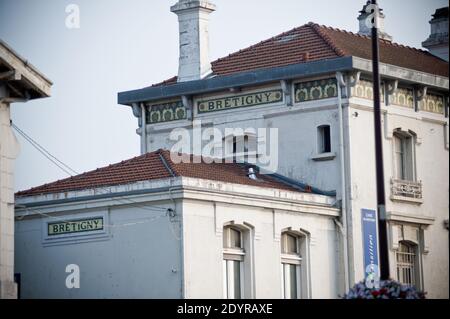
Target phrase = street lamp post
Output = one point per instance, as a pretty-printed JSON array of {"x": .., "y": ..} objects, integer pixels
[{"x": 381, "y": 197}]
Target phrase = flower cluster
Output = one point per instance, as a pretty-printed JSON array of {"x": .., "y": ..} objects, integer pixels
[{"x": 389, "y": 289}]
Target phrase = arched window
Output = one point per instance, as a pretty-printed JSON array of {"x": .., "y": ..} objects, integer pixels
[
  {"x": 407, "y": 267},
  {"x": 291, "y": 263},
  {"x": 233, "y": 262}
]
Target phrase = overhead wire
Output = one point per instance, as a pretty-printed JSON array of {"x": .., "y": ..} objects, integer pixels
[
  {"x": 169, "y": 212},
  {"x": 62, "y": 220},
  {"x": 66, "y": 168}
]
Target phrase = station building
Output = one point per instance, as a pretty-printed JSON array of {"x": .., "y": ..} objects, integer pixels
[{"x": 164, "y": 229}]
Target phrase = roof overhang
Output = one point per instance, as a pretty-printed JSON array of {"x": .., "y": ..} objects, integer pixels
[
  {"x": 257, "y": 77},
  {"x": 388, "y": 71},
  {"x": 265, "y": 76},
  {"x": 23, "y": 80}
]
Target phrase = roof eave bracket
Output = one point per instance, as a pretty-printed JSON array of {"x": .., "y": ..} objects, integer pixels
[{"x": 286, "y": 86}]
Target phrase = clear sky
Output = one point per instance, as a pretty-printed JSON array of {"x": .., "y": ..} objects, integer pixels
[{"x": 129, "y": 44}]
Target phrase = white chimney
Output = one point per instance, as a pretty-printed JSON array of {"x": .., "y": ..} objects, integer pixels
[
  {"x": 437, "y": 42},
  {"x": 365, "y": 26},
  {"x": 193, "y": 19}
]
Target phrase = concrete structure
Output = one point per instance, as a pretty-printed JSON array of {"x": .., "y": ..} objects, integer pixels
[
  {"x": 19, "y": 82},
  {"x": 313, "y": 84},
  {"x": 193, "y": 20},
  {"x": 437, "y": 42},
  {"x": 415, "y": 110},
  {"x": 162, "y": 235}
]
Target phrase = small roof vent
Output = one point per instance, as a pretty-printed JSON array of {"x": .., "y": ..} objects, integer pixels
[
  {"x": 286, "y": 38},
  {"x": 251, "y": 174}
]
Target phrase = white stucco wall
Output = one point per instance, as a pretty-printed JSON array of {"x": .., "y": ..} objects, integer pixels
[
  {"x": 431, "y": 168},
  {"x": 297, "y": 133},
  {"x": 203, "y": 223},
  {"x": 297, "y": 127},
  {"x": 146, "y": 254},
  {"x": 138, "y": 258}
]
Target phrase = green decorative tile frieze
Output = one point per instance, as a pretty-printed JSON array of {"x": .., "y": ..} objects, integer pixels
[
  {"x": 364, "y": 89},
  {"x": 315, "y": 90},
  {"x": 403, "y": 97},
  {"x": 432, "y": 103},
  {"x": 166, "y": 112}
]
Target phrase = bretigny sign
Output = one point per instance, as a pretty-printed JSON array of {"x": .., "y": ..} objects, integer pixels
[
  {"x": 75, "y": 226},
  {"x": 237, "y": 101}
]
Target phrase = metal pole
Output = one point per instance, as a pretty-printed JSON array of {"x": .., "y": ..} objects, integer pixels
[{"x": 381, "y": 197}]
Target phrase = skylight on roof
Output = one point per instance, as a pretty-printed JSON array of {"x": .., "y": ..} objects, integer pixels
[{"x": 286, "y": 38}]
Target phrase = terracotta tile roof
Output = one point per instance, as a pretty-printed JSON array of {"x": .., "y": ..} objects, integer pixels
[
  {"x": 145, "y": 167},
  {"x": 299, "y": 45},
  {"x": 153, "y": 166},
  {"x": 313, "y": 42},
  {"x": 172, "y": 80},
  {"x": 225, "y": 172},
  {"x": 390, "y": 52}
]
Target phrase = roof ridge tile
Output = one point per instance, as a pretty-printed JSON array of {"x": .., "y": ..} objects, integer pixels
[
  {"x": 164, "y": 156},
  {"x": 387, "y": 42},
  {"x": 318, "y": 28}
]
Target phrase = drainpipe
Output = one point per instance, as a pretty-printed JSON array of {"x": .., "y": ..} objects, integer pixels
[
  {"x": 341, "y": 84},
  {"x": 342, "y": 232},
  {"x": 344, "y": 229},
  {"x": 144, "y": 130}
]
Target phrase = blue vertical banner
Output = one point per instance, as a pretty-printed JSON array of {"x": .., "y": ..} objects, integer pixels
[{"x": 370, "y": 244}]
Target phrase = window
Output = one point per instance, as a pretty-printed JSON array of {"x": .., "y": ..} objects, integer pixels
[
  {"x": 404, "y": 156},
  {"x": 243, "y": 147},
  {"x": 291, "y": 271},
  {"x": 235, "y": 144},
  {"x": 404, "y": 185},
  {"x": 407, "y": 263},
  {"x": 233, "y": 262},
  {"x": 324, "y": 139}
]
